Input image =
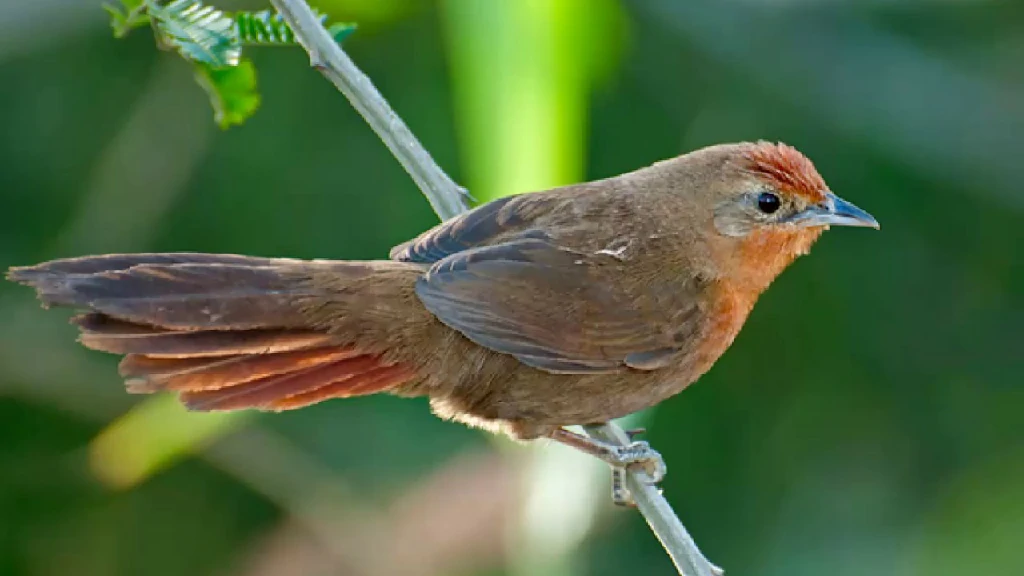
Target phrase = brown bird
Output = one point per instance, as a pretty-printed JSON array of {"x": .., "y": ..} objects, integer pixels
[{"x": 530, "y": 313}]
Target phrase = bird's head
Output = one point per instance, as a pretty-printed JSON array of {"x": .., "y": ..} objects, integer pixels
[
  {"x": 775, "y": 188},
  {"x": 769, "y": 205}
]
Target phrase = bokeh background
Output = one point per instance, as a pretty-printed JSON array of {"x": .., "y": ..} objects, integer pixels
[{"x": 868, "y": 420}]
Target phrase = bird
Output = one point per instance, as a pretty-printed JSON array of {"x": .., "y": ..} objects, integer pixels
[{"x": 525, "y": 316}]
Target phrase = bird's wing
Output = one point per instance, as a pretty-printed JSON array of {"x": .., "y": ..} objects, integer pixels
[
  {"x": 560, "y": 310},
  {"x": 504, "y": 283},
  {"x": 500, "y": 220}
]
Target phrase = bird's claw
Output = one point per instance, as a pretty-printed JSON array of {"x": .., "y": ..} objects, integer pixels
[
  {"x": 634, "y": 432},
  {"x": 636, "y": 456},
  {"x": 621, "y": 496},
  {"x": 639, "y": 455}
]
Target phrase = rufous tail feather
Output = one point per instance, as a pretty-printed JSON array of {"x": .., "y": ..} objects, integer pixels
[{"x": 226, "y": 332}]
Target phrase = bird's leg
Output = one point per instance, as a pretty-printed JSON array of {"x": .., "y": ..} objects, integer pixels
[
  {"x": 636, "y": 454},
  {"x": 631, "y": 455},
  {"x": 621, "y": 496}
]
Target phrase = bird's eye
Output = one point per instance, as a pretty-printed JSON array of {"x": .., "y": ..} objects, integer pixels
[{"x": 768, "y": 202}]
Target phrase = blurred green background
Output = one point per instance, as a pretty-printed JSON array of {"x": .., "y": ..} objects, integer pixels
[{"x": 869, "y": 419}]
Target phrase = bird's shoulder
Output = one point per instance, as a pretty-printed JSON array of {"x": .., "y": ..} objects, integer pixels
[{"x": 588, "y": 217}]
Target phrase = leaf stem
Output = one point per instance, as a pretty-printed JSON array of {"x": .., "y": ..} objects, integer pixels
[{"x": 448, "y": 199}]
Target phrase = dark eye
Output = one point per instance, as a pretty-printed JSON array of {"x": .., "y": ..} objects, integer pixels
[{"x": 768, "y": 202}]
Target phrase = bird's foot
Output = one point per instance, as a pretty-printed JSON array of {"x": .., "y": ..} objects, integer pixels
[
  {"x": 637, "y": 455},
  {"x": 621, "y": 495}
]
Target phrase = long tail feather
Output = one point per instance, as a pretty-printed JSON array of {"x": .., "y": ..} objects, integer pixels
[
  {"x": 181, "y": 296},
  {"x": 199, "y": 374},
  {"x": 109, "y": 262},
  {"x": 106, "y": 334},
  {"x": 370, "y": 382},
  {"x": 265, "y": 392},
  {"x": 224, "y": 331}
]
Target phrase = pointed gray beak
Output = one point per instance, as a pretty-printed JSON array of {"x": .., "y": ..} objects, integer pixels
[{"x": 834, "y": 211}]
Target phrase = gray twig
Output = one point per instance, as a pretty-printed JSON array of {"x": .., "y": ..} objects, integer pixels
[
  {"x": 445, "y": 196},
  {"x": 659, "y": 514},
  {"x": 448, "y": 199}
]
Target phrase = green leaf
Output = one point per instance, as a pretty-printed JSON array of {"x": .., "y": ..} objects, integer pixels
[
  {"x": 212, "y": 41},
  {"x": 129, "y": 15},
  {"x": 232, "y": 91},
  {"x": 204, "y": 34},
  {"x": 262, "y": 28},
  {"x": 199, "y": 33},
  {"x": 341, "y": 30},
  {"x": 267, "y": 28}
]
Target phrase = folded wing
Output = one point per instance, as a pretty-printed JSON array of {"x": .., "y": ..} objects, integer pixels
[{"x": 557, "y": 309}]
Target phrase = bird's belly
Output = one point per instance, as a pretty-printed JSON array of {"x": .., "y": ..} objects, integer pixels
[
  {"x": 530, "y": 402},
  {"x": 502, "y": 394}
]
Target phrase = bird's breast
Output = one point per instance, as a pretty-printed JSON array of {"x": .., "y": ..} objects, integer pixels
[
  {"x": 727, "y": 314},
  {"x": 720, "y": 323}
]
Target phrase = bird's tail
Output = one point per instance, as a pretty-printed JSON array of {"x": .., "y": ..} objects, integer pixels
[{"x": 229, "y": 332}]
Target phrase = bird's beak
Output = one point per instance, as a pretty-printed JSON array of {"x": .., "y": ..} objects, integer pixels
[{"x": 834, "y": 211}]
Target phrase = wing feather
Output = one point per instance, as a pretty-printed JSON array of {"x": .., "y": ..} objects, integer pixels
[{"x": 554, "y": 308}]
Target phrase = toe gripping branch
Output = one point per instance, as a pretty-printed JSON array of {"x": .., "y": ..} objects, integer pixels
[{"x": 637, "y": 454}]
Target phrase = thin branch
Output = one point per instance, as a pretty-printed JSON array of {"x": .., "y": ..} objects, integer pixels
[
  {"x": 663, "y": 521},
  {"x": 448, "y": 199},
  {"x": 445, "y": 196}
]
